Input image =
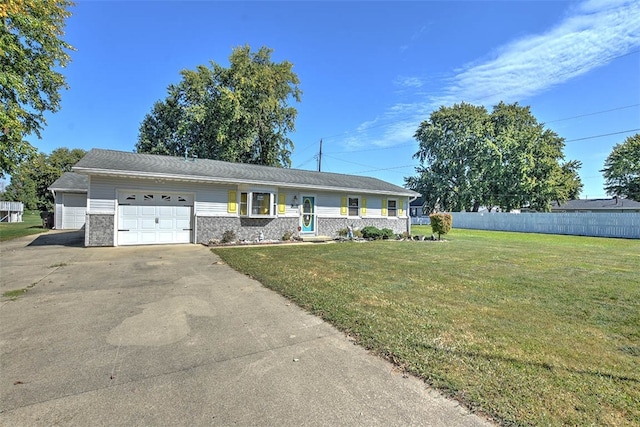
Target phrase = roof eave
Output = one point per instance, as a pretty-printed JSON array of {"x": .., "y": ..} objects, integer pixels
[{"x": 200, "y": 178}]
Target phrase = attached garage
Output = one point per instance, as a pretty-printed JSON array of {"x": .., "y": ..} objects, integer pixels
[
  {"x": 147, "y": 218},
  {"x": 70, "y": 195}
]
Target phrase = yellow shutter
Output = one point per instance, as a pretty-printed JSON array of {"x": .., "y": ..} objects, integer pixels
[
  {"x": 363, "y": 210},
  {"x": 232, "y": 204},
  {"x": 384, "y": 207},
  {"x": 282, "y": 201},
  {"x": 400, "y": 208},
  {"x": 343, "y": 206}
]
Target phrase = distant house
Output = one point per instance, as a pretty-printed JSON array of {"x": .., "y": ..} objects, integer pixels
[
  {"x": 613, "y": 205},
  {"x": 137, "y": 199},
  {"x": 415, "y": 207},
  {"x": 11, "y": 211}
]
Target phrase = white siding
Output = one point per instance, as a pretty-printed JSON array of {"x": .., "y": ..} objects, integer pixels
[
  {"x": 328, "y": 204},
  {"x": 212, "y": 200},
  {"x": 102, "y": 195}
]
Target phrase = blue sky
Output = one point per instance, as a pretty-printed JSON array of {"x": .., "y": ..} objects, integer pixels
[{"x": 370, "y": 71}]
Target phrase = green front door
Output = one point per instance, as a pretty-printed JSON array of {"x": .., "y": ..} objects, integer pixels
[{"x": 308, "y": 214}]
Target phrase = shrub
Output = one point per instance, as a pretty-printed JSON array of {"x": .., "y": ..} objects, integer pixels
[
  {"x": 372, "y": 233},
  {"x": 228, "y": 236},
  {"x": 287, "y": 235},
  {"x": 440, "y": 223},
  {"x": 387, "y": 233}
]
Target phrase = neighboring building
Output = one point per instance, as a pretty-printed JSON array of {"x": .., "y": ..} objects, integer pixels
[
  {"x": 151, "y": 199},
  {"x": 613, "y": 205},
  {"x": 70, "y": 198},
  {"x": 11, "y": 211},
  {"x": 415, "y": 207}
]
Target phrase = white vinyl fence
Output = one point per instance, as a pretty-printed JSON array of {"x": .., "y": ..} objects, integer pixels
[{"x": 624, "y": 225}]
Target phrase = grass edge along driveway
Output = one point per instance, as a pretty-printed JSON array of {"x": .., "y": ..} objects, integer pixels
[{"x": 528, "y": 329}]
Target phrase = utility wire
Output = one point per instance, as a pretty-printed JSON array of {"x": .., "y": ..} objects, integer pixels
[
  {"x": 593, "y": 114},
  {"x": 604, "y": 134}
]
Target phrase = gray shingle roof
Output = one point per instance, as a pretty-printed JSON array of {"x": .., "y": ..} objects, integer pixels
[
  {"x": 120, "y": 163},
  {"x": 70, "y": 181},
  {"x": 596, "y": 204}
]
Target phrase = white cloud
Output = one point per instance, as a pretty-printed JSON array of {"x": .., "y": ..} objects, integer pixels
[{"x": 591, "y": 35}]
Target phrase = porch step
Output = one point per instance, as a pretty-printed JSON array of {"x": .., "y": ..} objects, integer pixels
[{"x": 316, "y": 239}]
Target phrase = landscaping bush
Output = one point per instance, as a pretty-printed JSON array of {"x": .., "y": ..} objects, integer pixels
[
  {"x": 228, "y": 236},
  {"x": 387, "y": 233},
  {"x": 372, "y": 233},
  {"x": 287, "y": 235},
  {"x": 440, "y": 223}
]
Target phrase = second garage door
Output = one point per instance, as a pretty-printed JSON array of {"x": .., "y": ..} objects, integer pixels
[
  {"x": 154, "y": 218},
  {"x": 74, "y": 210}
]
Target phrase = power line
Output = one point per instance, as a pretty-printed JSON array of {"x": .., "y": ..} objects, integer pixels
[
  {"x": 593, "y": 114},
  {"x": 604, "y": 134}
]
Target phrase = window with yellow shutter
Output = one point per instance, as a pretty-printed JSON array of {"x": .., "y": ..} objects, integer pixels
[
  {"x": 232, "y": 202},
  {"x": 343, "y": 206}
]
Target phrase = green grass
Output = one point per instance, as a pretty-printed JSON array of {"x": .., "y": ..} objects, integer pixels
[
  {"x": 529, "y": 329},
  {"x": 31, "y": 224}
]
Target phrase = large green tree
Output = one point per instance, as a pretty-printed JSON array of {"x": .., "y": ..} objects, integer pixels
[
  {"x": 471, "y": 158},
  {"x": 622, "y": 169},
  {"x": 31, "y": 52},
  {"x": 240, "y": 113},
  {"x": 32, "y": 178}
]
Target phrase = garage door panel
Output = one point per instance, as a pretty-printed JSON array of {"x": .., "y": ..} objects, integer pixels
[
  {"x": 154, "y": 224},
  {"x": 182, "y": 224},
  {"x": 147, "y": 210},
  {"x": 74, "y": 211},
  {"x": 147, "y": 223}
]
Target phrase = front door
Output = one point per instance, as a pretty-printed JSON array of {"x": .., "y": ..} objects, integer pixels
[{"x": 308, "y": 218}]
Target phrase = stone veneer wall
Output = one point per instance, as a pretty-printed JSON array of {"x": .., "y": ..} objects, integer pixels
[
  {"x": 331, "y": 226},
  {"x": 209, "y": 228},
  {"x": 99, "y": 230}
]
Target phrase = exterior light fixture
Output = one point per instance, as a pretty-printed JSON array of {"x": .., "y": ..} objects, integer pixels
[{"x": 294, "y": 202}]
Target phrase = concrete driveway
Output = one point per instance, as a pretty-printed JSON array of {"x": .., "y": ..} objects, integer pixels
[{"x": 169, "y": 335}]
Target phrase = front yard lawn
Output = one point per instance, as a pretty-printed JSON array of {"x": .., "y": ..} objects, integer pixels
[
  {"x": 31, "y": 224},
  {"x": 529, "y": 329}
]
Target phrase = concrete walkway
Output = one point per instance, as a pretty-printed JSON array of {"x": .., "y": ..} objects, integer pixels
[{"x": 169, "y": 335}]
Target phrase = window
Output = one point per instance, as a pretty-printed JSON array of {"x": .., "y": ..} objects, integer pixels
[
  {"x": 260, "y": 203},
  {"x": 392, "y": 207},
  {"x": 148, "y": 197},
  {"x": 354, "y": 204},
  {"x": 257, "y": 204}
]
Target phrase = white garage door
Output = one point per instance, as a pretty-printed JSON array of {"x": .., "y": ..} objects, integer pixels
[
  {"x": 74, "y": 210},
  {"x": 154, "y": 218}
]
